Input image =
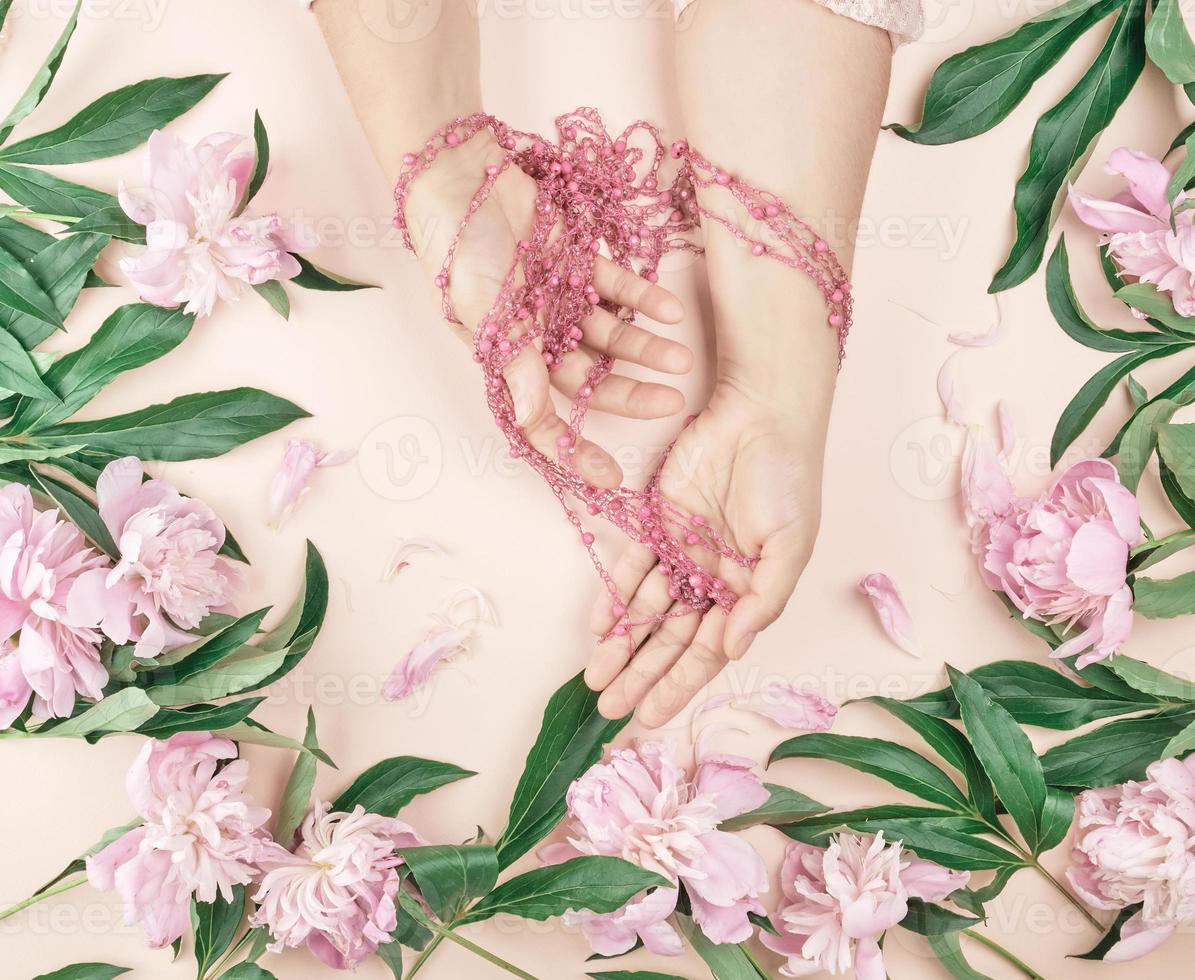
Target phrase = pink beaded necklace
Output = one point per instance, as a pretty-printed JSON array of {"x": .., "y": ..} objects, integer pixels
[{"x": 594, "y": 190}]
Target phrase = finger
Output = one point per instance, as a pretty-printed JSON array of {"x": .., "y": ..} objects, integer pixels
[
  {"x": 772, "y": 582},
  {"x": 609, "y": 334},
  {"x": 629, "y": 571},
  {"x": 623, "y": 287},
  {"x": 645, "y": 672},
  {"x": 695, "y": 668},
  {"x": 616, "y": 393},
  {"x": 610, "y": 658},
  {"x": 527, "y": 378}
]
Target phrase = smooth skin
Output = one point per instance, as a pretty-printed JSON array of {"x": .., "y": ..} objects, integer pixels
[{"x": 785, "y": 95}]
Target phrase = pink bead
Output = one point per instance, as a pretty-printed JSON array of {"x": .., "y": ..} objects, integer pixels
[
  {"x": 772, "y": 210},
  {"x": 620, "y": 630},
  {"x": 593, "y": 509},
  {"x": 485, "y": 346},
  {"x": 504, "y": 345},
  {"x": 651, "y": 276},
  {"x": 692, "y": 539},
  {"x": 595, "y": 246},
  {"x": 587, "y": 538},
  {"x": 837, "y": 296},
  {"x": 586, "y": 391},
  {"x": 644, "y": 513},
  {"x": 592, "y": 299},
  {"x": 452, "y": 139},
  {"x": 695, "y": 580},
  {"x": 619, "y": 610},
  {"x": 492, "y": 170},
  {"x": 665, "y": 197},
  {"x": 757, "y": 249},
  {"x": 409, "y": 158},
  {"x": 575, "y": 281},
  {"x": 836, "y": 319},
  {"x": 722, "y": 178},
  {"x": 820, "y": 245},
  {"x": 679, "y": 148},
  {"x": 440, "y": 281},
  {"x": 845, "y": 287},
  {"x": 699, "y": 520},
  {"x": 757, "y": 214}
]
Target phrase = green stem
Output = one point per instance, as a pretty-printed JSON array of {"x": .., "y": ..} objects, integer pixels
[
  {"x": 58, "y": 889},
  {"x": 758, "y": 967},
  {"x": 1152, "y": 544},
  {"x": 424, "y": 956},
  {"x": 995, "y": 947},
  {"x": 446, "y": 932},
  {"x": 1032, "y": 862},
  {"x": 217, "y": 969}
]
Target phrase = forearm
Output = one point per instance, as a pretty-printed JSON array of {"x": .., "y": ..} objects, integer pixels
[
  {"x": 787, "y": 96},
  {"x": 403, "y": 83}
]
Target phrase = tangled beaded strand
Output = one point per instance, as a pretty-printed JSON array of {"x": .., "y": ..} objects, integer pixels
[{"x": 595, "y": 190}]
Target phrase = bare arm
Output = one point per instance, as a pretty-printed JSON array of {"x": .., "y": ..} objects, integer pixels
[{"x": 787, "y": 96}]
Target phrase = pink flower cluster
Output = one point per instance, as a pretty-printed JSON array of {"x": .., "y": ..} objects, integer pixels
[
  {"x": 335, "y": 892},
  {"x": 59, "y": 597},
  {"x": 200, "y": 836},
  {"x": 643, "y": 807},
  {"x": 200, "y": 248},
  {"x": 1063, "y": 558},
  {"x": 1135, "y": 844},
  {"x": 1137, "y": 227},
  {"x": 841, "y": 899}
]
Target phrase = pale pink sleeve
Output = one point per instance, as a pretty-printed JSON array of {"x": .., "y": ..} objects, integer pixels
[{"x": 903, "y": 19}]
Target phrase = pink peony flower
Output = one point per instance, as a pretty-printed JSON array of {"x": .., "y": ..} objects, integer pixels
[
  {"x": 1061, "y": 559},
  {"x": 199, "y": 839},
  {"x": 335, "y": 892},
  {"x": 1135, "y": 843},
  {"x": 643, "y": 807},
  {"x": 1136, "y": 227},
  {"x": 841, "y": 899},
  {"x": 199, "y": 249},
  {"x": 170, "y": 572},
  {"x": 46, "y": 653},
  {"x": 891, "y": 610},
  {"x": 291, "y": 481}
]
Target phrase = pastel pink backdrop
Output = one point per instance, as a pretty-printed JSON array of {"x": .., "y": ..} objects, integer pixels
[{"x": 381, "y": 375}]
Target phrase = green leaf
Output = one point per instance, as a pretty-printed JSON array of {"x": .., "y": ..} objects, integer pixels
[
  {"x": 1064, "y": 136},
  {"x": 1137, "y": 393},
  {"x": 123, "y": 711},
  {"x": 255, "y": 733},
  {"x": 261, "y": 164},
  {"x": 726, "y": 961},
  {"x": 80, "y": 510},
  {"x": 391, "y": 784},
  {"x": 36, "y": 90},
  {"x": 1057, "y": 818},
  {"x": 1113, "y": 753},
  {"x": 313, "y": 609},
  {"x": 570, "y": 740},
  {"x": 215, "y": 925},
  {"x": 1176, "y": 446},
  {"x": 927, "y": 919},
  {"x": 296, "y": 798},
  {"x": 247, "y": 971},
  {"x": 233, "y": 675},
  {"x": 1145, "y": 298},
  {"x": 1035, "y": 694},
  {"x": 1149, "y": 680},
  {"x": 974, "y": 90},
  {"x": 206, "y": 653},
  {"x": 1183, "y": 505},
  {"x": 599, "y": 884},
  {"x": 85, "y": 971},
  {"x": 959, "y": 848},
  {"x": 1164, "y": 598},
  {"x": 1140, "y": 439},
  {"x": 1154, "y": 552},
  {"x": 5, "y": 6},
  {"x": 20, "y": 294},
  {"x": 900, "y": 766},
  {"x": 313, "y": 277},
  {"x": 449, "y": 876},
  {"x": 948, "y": 949},
  {"x": 1112, "y": 936},
  {"x": 1181, "y": 743},
  {"x": 1006, "y": 754},
  {"x": 190, "y": 427},
  {"x": 391, "y": 954},
  {"x": 34, "y": 450},
  {"x": 1074, "y": 321},
  {"x": 273, "y": 293},
  {"x": 110, "y": 221},
  {"x": 18, "y": 372},
  {"x": 1091, "y": 397},
  {"x": 115, "y": 122},
  {"x": 951, "y": 745},
  {"x": 635, "y": 975},
  {"x": 60, "y": 268},
  {"x": 48, "y": 194},
  {"x": 131, "y": 337},
  {"x": 198, "y": 718},
  {"x": 784, "y": 805},
  {"x": 1169, "y": 44}
]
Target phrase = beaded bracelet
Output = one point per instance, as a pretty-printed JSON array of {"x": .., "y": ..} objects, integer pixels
[{"x": 594, "y": 190}]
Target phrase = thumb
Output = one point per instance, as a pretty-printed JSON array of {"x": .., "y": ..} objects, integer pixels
[{"x": 772, "y": 583}]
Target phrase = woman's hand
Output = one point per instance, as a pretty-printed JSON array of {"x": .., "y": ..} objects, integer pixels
[
  {"x": 483, "y": 258},
  {"x": 753, "y": 470}
]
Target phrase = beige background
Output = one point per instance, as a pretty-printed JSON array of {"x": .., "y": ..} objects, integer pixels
[{"x": 380, "y": 375}]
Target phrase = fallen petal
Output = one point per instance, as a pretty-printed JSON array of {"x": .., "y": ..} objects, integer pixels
[
  {"x": 407, "y": 548},
  {"x": 890, "y": 607},
  {"x": 948, "y": 390},
  {"x": 790, "y": 707}
]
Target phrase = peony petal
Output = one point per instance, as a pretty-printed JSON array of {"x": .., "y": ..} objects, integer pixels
[
  {"x": 1110, "y": 216},
  {"x": 1148, "y": 179},
  {"x": 1008, "y": 432},
  {"x": 1136, "y": 940},
  {"x": 406, "y": 549},
  {"x": 931, "y": 882},
  {"x": 890, "y": 608},
  {"x": 413, "y": 672},
  {"x": 1097, "y": 558},
  {"x": 790, "y": 707},
  {"x": 948, "y": 390}
]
